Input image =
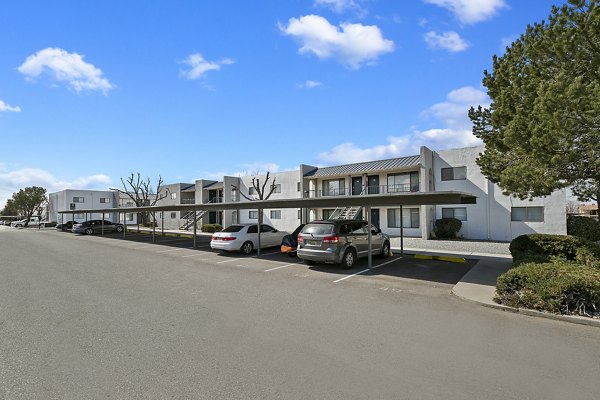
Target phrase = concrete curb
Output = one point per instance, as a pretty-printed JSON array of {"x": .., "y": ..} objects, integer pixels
[{"x": 533, "y": 313}]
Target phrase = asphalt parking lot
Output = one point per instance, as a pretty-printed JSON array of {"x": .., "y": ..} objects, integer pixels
[
  {"x": 436, "y": 274},
  {"x": 90, "y": 317}
]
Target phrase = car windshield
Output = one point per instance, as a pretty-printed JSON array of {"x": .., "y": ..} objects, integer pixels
[
  {"x": 233, "y": 228},
  {"x": 318, "y": 229}
]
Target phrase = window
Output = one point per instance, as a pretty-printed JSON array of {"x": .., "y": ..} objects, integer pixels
[
  {"x": 78, "y": 199},
  {"x": 454, "y": 174},
  {"x": 327, "y": 213},
  {"x": 79, "y": 216},
  {"x": 234, "y": 195},
  {"x": 277, "y": 188},
  {"x": 253, "y": 228},
  {"x": 173, "y": 214},
  {"x": 410, "y": 217},
  {"x": 173, "y": 196},
  {"x": 104, "y": 200},
  {"x": 234, "y": 217},
  {"x": 298, "y": 186},
  {"x": 251, "y": 191},
  {"x": 266, "y": 229},
  {"x": 253, "y": 214},
  {"x": 334, "y": 187},
  {"x": 358, "y": 228},
  {"x": 275, "y": 214},
  {"x": 407, "y": 182},
  {"x": 130, "y": 217},
  {"x": 300, "y": 214},
  {"x": 527, "y": 214},
  {"x": 459, "y": 213}
]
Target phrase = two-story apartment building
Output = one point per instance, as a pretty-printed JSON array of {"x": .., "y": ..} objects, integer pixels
[{"x": 75, "y": 199}]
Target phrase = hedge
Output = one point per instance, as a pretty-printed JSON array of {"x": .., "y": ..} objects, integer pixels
[
  {"x": 212, "y": 228},
  {"x": 559, "y": 287},
  {"x": 584, "y": 227},
  {"x": 447, "y": 228},
  {"x": 543, "y": 248}
]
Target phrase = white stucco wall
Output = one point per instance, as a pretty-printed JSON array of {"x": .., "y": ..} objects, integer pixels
[{"x": 61, "y": 201}]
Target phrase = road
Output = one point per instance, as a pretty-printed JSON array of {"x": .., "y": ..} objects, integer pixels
[{"x": 101, "y": 317}]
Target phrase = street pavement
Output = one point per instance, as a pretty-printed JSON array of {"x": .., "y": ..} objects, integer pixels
[{"x": 89, "y": 317}]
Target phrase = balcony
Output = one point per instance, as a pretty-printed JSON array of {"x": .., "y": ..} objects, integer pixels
[
  {"x": 188, "y": 201},
  {"x": 370, "y": 190}
]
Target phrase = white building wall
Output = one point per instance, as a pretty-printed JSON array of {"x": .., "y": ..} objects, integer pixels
[
  {"x": 490, "y": 218},
  {"x": 61, "y": 201}
]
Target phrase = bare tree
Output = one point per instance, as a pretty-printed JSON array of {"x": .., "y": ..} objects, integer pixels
[
  {"x": 261, "y": 191},
  {"x": 141, "y": 192},
  {"x": 572, "y": 207}
]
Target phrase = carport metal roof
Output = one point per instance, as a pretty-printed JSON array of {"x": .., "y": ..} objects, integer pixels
[{"x": 372, "y": 200}]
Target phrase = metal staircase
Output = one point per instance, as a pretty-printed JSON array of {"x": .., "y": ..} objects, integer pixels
[
  {"x": 346, "y": 213},
  {"x": 189, "y": 219}
]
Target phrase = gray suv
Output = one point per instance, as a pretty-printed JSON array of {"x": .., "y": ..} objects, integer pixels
[{"x": 340, "y": 241}]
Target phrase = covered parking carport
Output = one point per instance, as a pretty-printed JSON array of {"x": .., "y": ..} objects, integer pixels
[{"x": 366, "y": 201}]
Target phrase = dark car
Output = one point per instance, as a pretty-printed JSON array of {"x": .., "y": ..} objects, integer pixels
[
  {"x": 289, "y": 243},
  {"x": 340, "y": 241},
  {"x": 66, "y": 226},
  {"x": 96, "y": 226}
]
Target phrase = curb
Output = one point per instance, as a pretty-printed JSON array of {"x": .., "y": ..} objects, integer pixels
[{"x": 595, "y": 322}]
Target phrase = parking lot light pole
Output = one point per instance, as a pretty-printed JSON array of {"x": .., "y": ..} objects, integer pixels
[
  {"x": 195, "y": 228},
  {"x": 370, "y": 236}
]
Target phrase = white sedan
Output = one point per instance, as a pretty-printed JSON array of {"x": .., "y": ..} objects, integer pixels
[{"x": 244, "y": 238}]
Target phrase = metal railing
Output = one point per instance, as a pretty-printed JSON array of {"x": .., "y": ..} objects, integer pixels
[
  {"x": 382, "y": 189},
  {"x": 188, "y": 201}
]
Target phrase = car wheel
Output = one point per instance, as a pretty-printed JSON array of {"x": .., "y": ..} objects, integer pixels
[
  {"x": 119, "y": 229},
  {"x": 18, "y": 226},
  {"x": 349, "y": 259},
  {"x": 309, "y": 262},
  {"x": 385, "y": 250},
  {"x": 247, "y": 248},
  {"x": 89, "y": 231}
]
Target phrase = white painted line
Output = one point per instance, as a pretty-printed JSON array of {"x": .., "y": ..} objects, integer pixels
[
  {"x": 168, "y": 251},
  {"x": 350, "y": 276},
  {"x": 204, "y": 253},
  {"x": 283, "y": 266},
  {"x": 231, "y": 260},
  {"x": 387, "y": 262}
]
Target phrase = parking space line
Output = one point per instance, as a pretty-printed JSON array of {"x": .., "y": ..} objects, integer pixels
[
  {"x": 203, "y": 253},
  {"x": 170, "y": 250},
  {"x": 233, "y": 259},
  {"x": 350, "y": 276},
  {"x": 283, "y": 266},
  {"x": 387, "y": 262}
]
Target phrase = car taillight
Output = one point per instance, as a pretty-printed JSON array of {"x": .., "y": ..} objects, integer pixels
[
  {"x": 331, "y": 239},
  {"x": 215, "y": 238},
  {"x": 228, "y": 238},
  {"x": 300, "y": 239}
]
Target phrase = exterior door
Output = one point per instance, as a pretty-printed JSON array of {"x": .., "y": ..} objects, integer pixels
[
  {"x": 356, "y": 185},
  {"x": 373, "y": 183},
  {"x": 375, "y": 217}
]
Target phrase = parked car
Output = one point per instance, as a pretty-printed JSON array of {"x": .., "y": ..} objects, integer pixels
[
  {"x": 340, "y": 241},
  {"x": 244, "y": 238},
  {"x": 289, "y": 243},
  {"x": 33, "y": 221},
  {"x": 95, "y": 225},
  {"x": 66, "y": 226}
]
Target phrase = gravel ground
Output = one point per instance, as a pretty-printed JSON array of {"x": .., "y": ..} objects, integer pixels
[{"x": 454, "y": 246}]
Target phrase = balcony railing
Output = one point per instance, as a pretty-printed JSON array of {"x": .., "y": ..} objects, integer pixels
[
  {"x": 369, "y": 190},
  {"x": 188, "y": 201}
]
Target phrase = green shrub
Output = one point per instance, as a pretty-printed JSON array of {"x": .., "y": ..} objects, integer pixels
[
  {"x": 447, "y": 228},
  {"x": 583, "y": 227},
  {"x": 537, "y": 247},
  {"x": 558, "y": 287},
  {"x": 211, "y": 228}
]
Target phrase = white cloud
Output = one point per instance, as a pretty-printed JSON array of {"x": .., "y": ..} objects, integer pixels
[
  {"x": 198, "y": 66},
  {"x": 310, "y": 84},
  {"x": 450, "y": 41},
  {"x": 340, "y": 6},
  {"x": 12, "y": 181},
  {"x": 248, "y": 169},
  {"x": 351, "y": 44},
  {"x": 455, "y": 131},
  {"x": 7, "y": 107},
  {"x": 65, "y": 67},
  {"x": 471, "y": 11}
]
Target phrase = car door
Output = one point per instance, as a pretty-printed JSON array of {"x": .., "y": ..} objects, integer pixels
[
  {"x": 268, "y": 236},
  {"x": 108, "y": 226},
  {"x": 252, "y": 234},
  {"x": 359, "y": 237}
]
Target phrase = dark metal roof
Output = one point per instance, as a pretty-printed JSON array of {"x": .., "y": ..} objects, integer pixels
[
  {"x": 368, "y": 166},
  {"x": 215, "y": 185},
  {"x": 393, "y": 200}
]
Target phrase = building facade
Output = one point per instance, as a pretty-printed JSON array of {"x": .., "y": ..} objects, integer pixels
[{"x": 73, "y": 200}]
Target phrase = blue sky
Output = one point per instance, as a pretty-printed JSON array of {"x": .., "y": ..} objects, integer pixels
[{"x": 92, "y": 91}]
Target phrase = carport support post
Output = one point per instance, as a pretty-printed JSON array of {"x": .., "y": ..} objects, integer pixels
[
  {"x": 370, "y": 235},
  {"x": 102, "y": 234},
  {"x": 401, "y": 234},
  {"x": 124, "y": 223},
  {"x": 162, "y": 223},
  {"x": 259, "y": 221},
  {"x": 153, "y": 226},
  {"x": 195, "y": 228}
]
